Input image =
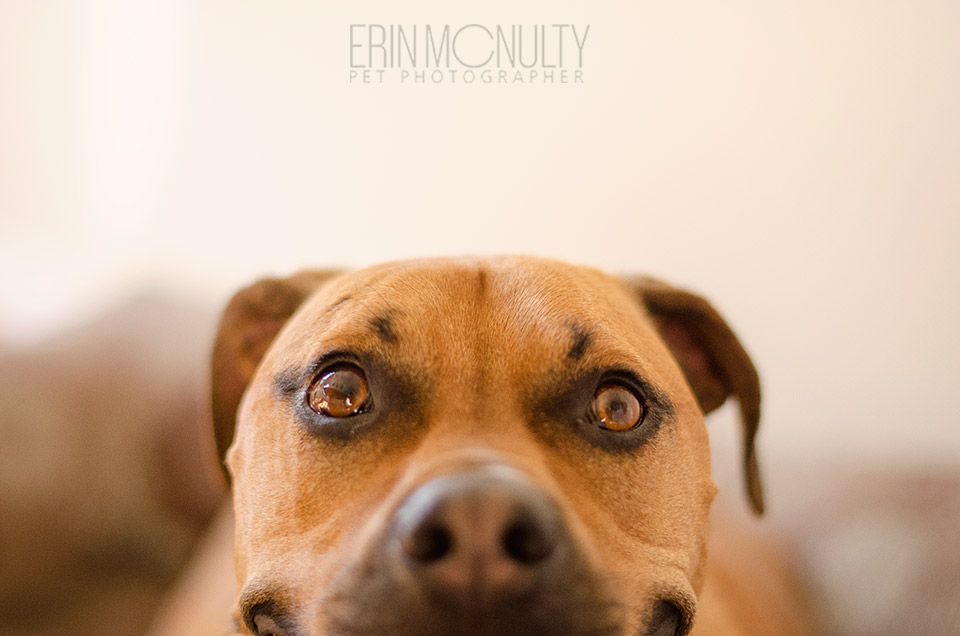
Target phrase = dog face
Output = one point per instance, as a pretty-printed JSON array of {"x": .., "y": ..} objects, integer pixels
[{"x": 501, "y": 446}]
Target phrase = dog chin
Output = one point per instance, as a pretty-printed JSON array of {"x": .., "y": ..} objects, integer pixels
[
  {"x": 373, "y": 605},
  {"x": 492, "y": 623}
]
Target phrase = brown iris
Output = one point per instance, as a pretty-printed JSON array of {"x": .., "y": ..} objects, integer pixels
[
  {"x": 617, "y": 407},
  {"x": 340, "y": 391}
]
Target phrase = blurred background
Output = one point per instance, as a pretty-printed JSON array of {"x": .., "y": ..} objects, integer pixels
[{"x": 797, "y": 163}]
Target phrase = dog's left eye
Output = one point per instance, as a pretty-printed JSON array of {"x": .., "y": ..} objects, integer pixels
[
  {"x": 617, "y": 408},
  {"x": 339, "y": 391}
]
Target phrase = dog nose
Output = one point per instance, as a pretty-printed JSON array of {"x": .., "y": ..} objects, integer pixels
[{"x": 485, "y": 533}]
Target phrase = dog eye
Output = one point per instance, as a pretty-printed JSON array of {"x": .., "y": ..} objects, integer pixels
[
  {"x": 617, "y": 408},
  {"x": 339, "y": 391}
]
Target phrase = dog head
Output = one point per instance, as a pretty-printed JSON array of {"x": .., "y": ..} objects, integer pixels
[{"x": 472, "y": 447}]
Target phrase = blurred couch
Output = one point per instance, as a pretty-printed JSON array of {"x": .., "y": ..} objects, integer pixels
[{"x": 105, "y": 484}]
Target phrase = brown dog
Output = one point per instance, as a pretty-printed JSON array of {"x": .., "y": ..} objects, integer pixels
[{"x": 503, "y": 446}]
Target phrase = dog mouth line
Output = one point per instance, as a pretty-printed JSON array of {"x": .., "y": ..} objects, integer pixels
[
  {"x": 477, "y": 622},
  {"x": 364, "y": 604}
]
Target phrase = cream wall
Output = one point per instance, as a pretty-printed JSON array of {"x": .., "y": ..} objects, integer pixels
[{"x": 797, "y": 162}]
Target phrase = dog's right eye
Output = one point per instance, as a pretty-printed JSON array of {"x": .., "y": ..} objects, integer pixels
[
  {"x": 617, "y": 408},
  {"x": 339, "y": 391}
]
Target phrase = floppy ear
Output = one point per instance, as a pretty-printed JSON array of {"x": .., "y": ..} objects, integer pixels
[
  {"x": 713, "y": 361},
  {"x": 250, "y": 322}
]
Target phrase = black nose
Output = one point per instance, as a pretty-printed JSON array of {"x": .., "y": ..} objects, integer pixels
[{"x": 481, "y": 534}]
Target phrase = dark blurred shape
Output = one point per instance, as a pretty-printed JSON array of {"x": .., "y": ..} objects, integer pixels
[
  {"x": 106, "y": 473},
  {"x": 880, "y": 548}
]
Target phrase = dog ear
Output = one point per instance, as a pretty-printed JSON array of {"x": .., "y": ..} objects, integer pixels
[
  {"x": 713, "y": 360},
  {"x": 250, "y": 322}
]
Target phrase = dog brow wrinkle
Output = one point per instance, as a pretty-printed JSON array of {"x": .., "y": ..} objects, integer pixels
[
  {"x": 337, "y": 304},
  {"x": 581, "y": 340}
]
